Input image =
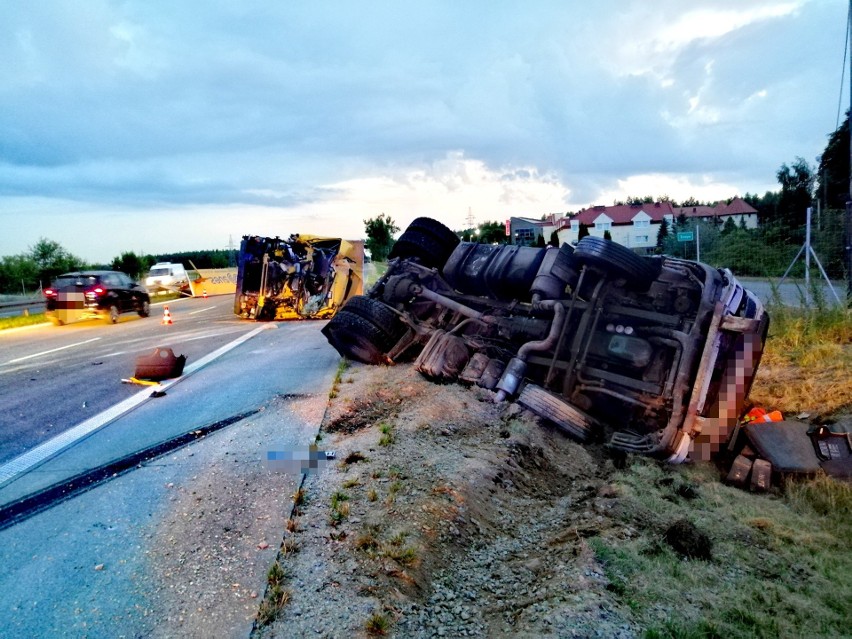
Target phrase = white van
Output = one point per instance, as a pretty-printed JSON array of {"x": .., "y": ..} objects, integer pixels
[{"x": 166, "y": 275}]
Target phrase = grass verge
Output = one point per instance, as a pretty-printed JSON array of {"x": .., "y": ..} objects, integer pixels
[
  {"x": 779, "y": 566},
  {"x": 22, "y": 320},
  {"x": 807, "y": 363}
]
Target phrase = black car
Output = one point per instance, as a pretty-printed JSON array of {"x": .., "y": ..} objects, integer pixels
[{"x": 95, "y": 294}]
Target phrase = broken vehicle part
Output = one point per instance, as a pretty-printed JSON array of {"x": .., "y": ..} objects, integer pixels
[
  {"x": 302, "y": 277},
  {"x": 653, "y": 355},
  {"x": 159, "y": 365}
]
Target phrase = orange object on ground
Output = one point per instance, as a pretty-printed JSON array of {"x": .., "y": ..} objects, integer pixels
[
  {"x": 167, "y": 317},
  {"x": 758, "y": 414}
]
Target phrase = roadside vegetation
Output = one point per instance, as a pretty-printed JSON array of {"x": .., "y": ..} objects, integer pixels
[
  {"x": 22, "y": 320},
  {"x": 778, "y": 565},
  {"x": 807, "y": 364}
]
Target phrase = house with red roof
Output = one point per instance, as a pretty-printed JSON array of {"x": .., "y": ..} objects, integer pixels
[
  {"x": 636, "y": 226},
  {"x": 632, "y": 225},
  {"x": 737, "y": 209}
]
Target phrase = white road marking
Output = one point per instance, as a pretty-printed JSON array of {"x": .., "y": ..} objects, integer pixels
[
  {"x": 53, "y": 350},
  {"x": 41, "y": 453},
  {"x": 209, "y": 308}
]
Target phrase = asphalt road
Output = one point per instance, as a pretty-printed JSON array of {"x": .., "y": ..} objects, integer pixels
[
  {"x": 121, "y": 559},
  {"x": 53, "y": 377}
]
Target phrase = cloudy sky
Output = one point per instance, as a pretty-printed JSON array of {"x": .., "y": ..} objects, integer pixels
[{"x": 154, "y": 125}]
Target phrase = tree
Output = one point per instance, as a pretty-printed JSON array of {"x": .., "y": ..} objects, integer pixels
[
  {"x": 492, "y": 233},
  {"x": 51, "y": 259},
  {"x": 730, "y": 226},
  {"x": 833, "y": 179},
  {"x": 766, "y": 206},
  {"x": 797, "y": 183},
  {"x": 18, "y": 274},
  {"x": 554, "y": 239},
  {"x": 582, "y": 232},
  {"x": 662, "y": 234},
  {"x": 380, "y": 232},
  {"x": 129, "y": 263},
  {"x": 607, "y": 235},
  {"x": 539, "y": 241}
]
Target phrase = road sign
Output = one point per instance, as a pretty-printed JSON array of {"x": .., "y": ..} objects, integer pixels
[{"x": 685, "y": 236}]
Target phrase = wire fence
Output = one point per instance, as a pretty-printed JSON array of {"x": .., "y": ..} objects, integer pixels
[{"x": 772, "y": 260}]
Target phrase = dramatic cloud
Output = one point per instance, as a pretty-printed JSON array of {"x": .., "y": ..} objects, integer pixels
[{"x": 232, "y": 118}]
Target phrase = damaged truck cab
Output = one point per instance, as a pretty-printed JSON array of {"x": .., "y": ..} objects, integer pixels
[
  {"x": 302, "y": 277},
  {"x": 652, "y": 355}
]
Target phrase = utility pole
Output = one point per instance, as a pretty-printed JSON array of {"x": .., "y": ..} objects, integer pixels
[
  {"x": 470, "y": 219},
  {"x": 848, "y": 234}
]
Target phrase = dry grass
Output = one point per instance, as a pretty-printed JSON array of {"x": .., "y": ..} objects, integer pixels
[{"x": 807, "y": 365}]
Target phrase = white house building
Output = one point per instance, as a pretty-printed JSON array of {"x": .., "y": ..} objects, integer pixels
[
  {"x": 632, "y": 225},
  {"x": 636, "y": 226}
]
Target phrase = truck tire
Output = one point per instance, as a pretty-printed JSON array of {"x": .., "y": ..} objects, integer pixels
[
  {"x": 376, "y": 313},
  {"x": 617, "y": 260},
  {"x": 427, "y": 240},
  {"x": 571, "y": 421},
  {"x": 364, "y": 329}
]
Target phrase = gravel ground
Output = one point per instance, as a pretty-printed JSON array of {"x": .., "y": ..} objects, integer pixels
[{"x": 445, "y": 515}]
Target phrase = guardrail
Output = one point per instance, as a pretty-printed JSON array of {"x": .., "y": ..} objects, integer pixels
[{"x": 20, "y": 307}]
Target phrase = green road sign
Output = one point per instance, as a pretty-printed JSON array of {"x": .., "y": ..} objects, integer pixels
[{"x": 685, "y": 236}]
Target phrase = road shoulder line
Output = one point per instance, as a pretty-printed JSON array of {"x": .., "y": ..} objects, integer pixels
[{"x": 34, "y": 457}]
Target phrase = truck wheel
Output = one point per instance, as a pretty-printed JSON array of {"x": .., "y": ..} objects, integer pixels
[
  {"x": 358, "y": 338},
  {"x": 428, "y": 240},
  {"x": 376, "y": 313},
  {"x": 145, "y": 309},
  {"x": 568, "y": 419},
  {"x": 617, "y": 260}
]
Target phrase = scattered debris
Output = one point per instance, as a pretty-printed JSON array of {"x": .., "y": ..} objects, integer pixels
[{"x": 159, "y": 365}]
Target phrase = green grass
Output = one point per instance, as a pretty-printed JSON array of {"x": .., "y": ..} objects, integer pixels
[
  {"x": 387, "y": 437},
  {"x": 22, "y": 320},
  {"x": 342, "y": 366},
  {"x": 780, "y": 564},
  {"x": 377, "y": 625},
  {"x": 373, "y": 272}
]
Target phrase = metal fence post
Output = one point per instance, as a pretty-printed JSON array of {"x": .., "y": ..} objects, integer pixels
[{"x": 847, "y": 245}]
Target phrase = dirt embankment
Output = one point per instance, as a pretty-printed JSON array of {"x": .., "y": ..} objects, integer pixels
[{"x": 446, "y": 515}]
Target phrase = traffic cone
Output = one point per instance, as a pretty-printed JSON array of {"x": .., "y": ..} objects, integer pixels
[
  {"x": 167, "y": 317},
  {"x": 205, "y": 293}
]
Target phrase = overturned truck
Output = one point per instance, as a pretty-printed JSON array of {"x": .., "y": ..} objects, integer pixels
[
  {"x": 652, "y": 355},
  {"x": 302, "y": 277}
]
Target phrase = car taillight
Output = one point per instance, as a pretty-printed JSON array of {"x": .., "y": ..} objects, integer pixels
[
  {"x": 49, "y": 292},
  {"x": 98, "y": 290}
]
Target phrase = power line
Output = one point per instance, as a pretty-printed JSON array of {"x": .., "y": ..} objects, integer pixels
[{"x": 843, "y": 70}]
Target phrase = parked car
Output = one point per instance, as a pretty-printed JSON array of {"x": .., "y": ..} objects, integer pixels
[
  {"x": 95, "y": 294},
  {"x": 652, "y": 355}
]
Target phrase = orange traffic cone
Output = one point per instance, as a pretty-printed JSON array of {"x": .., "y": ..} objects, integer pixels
[
  {"x": 205, "y": 294},
  {"x": 167, "y": 317}
]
